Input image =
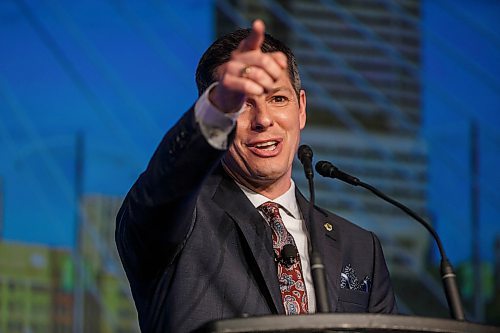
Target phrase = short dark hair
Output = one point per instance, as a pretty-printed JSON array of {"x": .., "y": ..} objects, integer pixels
[{"x": 220, "y": 52}]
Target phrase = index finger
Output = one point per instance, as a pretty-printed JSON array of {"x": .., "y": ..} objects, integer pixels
[{"x": 255, "y": 39}]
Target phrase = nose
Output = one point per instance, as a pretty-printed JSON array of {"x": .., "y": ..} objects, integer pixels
[{"x": 261, "y": 117}]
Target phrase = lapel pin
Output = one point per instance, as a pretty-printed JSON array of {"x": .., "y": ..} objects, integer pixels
[{"x": 328, "y": 226}]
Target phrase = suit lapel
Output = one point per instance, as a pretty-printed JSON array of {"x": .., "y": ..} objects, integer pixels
[
  {"x": 327, "y": 244},
  {"x": 256, "y": 233}
]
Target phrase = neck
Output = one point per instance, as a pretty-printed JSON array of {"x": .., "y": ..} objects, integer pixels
[{"x": 271, "y": 189}]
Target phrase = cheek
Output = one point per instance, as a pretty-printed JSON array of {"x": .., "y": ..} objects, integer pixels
[
  {"x": 237, "y": 154},
  {"x": 294, "y": 125},
  {"x": 234, "y": 152}
]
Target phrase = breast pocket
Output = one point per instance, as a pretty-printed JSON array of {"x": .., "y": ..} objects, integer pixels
[{"x": 352, "y": 301}]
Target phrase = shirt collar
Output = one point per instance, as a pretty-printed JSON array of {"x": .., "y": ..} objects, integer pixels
[{"x": 287, "y": 200}]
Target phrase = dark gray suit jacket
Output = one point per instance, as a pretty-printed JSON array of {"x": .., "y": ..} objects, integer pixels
[{"x": 195, "y": 249}]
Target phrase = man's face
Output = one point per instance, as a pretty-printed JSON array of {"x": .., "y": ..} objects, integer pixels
[{"x": 267, "y": 137}]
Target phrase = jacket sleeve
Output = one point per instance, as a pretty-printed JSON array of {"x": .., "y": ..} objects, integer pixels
[
  {"x": 157, "y": 213},
  {"x": 382, "y": 296}
]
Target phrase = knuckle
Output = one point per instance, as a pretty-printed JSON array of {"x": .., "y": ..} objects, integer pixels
[
  {"x": 251, "y": 87},
  {"x": 266, "y": 60},
  {"x": 258, "y": 74},
  {"x": 247, "y": 85},
  {"x": 230, "y": 65}
]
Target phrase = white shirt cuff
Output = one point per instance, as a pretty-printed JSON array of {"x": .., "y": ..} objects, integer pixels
[{"x": 215, "y": 125}]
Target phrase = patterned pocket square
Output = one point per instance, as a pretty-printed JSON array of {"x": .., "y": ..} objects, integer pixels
[{"x": 349, "y": 280}]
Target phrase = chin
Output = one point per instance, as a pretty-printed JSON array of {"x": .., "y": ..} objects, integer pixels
[{"x": 268, "y": 174}]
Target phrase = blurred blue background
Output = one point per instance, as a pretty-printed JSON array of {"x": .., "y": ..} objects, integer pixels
[
  {"x": 87, "y": 90},
  {"x": 119, "y": 73}
]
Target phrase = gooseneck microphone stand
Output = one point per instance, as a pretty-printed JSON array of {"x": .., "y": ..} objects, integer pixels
[
  {"x": 448, "y": 276},
  {"x": 305, "y": 155},
  {"x": 351, "y": 322}
]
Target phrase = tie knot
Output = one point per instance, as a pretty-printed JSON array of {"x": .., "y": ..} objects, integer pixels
[{"x": 270, "y": 209}]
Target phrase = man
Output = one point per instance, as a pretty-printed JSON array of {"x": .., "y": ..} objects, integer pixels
[{"x": 199, "y": 235}]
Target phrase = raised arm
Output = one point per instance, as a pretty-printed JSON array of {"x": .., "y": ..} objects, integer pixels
[{"x": 156, "y": 215}]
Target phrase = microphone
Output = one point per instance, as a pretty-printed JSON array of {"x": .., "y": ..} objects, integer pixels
[
  {"x": 327, "y": 169},
  {"x": 289, "y": 254},
  {"x": 305, "y": 155}
]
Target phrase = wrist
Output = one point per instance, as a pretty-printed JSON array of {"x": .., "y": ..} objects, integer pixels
[{"x": 224, "y": 100}]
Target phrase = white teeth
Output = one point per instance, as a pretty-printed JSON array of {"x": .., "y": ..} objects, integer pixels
[
  {"x": 266, "y": 144},
  {"x": 269, "y": 145}
]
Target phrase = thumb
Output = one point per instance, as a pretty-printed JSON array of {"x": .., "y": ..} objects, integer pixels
[{"x": 255, "y": 39}]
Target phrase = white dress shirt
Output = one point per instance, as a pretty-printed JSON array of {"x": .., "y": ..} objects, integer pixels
[
  {"x": 295, "y": 224},
  {"x": 215, "y": 127}
]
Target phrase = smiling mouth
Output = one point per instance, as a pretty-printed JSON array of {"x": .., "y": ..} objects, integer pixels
[
  {"x": 265, "y": 149},
  {"x": 269, "y": 145}
]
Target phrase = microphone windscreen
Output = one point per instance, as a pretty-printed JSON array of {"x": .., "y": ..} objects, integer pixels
[
  {"x": 289, "y": 251},
  {"x": 324, "y": 168},
  {"x": 305, "y": 152}
]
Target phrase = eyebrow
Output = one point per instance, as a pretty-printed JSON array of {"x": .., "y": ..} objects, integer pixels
[{"x": 275, "y": 90}]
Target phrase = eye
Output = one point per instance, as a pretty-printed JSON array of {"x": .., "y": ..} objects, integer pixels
[{"x": 280, "y": 100}]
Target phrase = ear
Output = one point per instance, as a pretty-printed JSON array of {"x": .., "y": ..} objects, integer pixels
[{"x": 302, "y": 109}]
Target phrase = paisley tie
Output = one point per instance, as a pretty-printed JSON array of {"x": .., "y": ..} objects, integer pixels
[{"x": 291, "y": 280}]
